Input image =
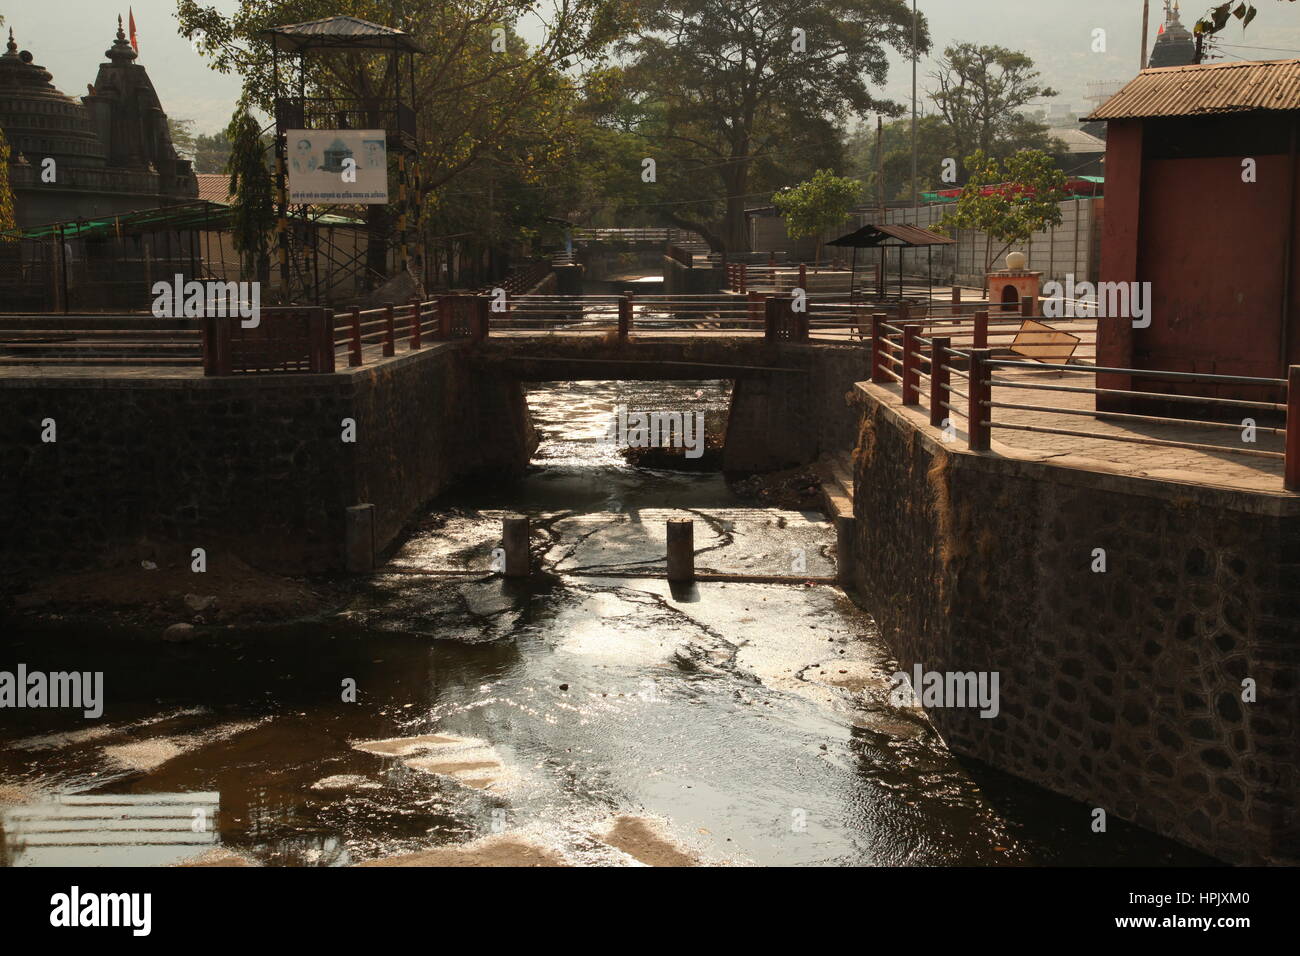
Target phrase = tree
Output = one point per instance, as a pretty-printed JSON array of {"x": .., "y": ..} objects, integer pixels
[
  {"x": 725, "y": 86},
  {"x": 1216, "y": 19},
  {"x": 182, "y": 135},
  {"x": 981, "y": 92},
  {"x": 8, "y": 219},
  {"x": 253, "y": 210},
  {"x": 1009, "y": 201},
  {"x": 819, "y": 204},
  {"x": 468, "y": 92},
  {"x": 212, "y": 151}
]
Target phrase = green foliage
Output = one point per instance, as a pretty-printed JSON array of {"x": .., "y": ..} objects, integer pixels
[
  {"x": 725, "y": 90},
  {"x": 1011, "y": 200},
  {"x": 182, "y": 136},
  {"x": 253, "y": 210},
  {"x": 212, "y": 151},
  {"x": 980, "y": 92},
  {"x": 8, "y": 220},
  {"x": 819, "y": 204},
  {"x": 1216, "y": 19}
]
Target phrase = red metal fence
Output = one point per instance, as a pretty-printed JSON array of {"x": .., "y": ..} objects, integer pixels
[{"x": 926, "y": 368}]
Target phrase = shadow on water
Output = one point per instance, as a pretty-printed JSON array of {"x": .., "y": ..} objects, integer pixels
[{"x": 752, "y": 720}]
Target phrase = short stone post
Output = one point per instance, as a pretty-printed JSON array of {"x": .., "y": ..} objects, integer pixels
[
  {"x": 1027, "y": 307},
  {"x": 956, "y": 300},
  {"x": 359, "y": 530},
  {"x": 681, "y": 549},
  {"x": 938, "y": 379},
  {"x": 978, "y": 412},
  {"x": 515, "y": 543}
]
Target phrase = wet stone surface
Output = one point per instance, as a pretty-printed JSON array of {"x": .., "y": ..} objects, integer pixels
[{"x": 592, "y": 715}]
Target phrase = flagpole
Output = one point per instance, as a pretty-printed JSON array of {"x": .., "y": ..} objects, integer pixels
[{"x": 1146, "y": 15}]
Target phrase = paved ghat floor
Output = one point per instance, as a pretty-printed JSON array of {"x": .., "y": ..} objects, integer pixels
[{"x": 743, "y": 723}]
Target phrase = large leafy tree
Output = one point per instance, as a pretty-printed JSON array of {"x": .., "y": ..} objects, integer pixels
[
  {"x": 1011, "y": 200},
  {"x": 726, "y": 88},
  {"x": 981, "y": 92},
  {"x": 473, "y": 96}
]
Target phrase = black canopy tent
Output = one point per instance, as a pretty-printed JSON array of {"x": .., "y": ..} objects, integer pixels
[{"x": 872, "y": 236}]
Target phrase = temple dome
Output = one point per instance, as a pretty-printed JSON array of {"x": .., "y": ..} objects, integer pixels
[
  {"x": 1175, "y": 46},
  {"x": 40, "y": 121}
]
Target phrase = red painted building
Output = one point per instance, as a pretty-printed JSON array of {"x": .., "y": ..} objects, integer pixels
[{"x": 1201, "y": 197}]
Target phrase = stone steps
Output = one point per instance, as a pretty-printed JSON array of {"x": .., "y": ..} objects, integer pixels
[{"x": 836, "y": 473}]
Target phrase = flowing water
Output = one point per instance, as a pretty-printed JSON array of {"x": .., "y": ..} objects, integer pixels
[{"x": 748, "y": 723}]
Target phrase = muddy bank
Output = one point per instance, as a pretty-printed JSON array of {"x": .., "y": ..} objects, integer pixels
[{"x": 155, "y": 588}]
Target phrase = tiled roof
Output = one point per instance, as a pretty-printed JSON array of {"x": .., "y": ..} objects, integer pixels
[
  {"x": 1208, "y": 88},
  {"x": 214, "y": 187}
]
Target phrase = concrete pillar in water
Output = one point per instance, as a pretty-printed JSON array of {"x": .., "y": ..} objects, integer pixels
[
  {"x": 359, "y": 530},
  {"x": 514, "y": 540},
  {"x": 846, "y": 527},
  {"x": 681, "y": 549}
]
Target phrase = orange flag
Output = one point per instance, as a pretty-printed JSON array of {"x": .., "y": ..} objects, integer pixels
[{"x": 135, "y": 41}]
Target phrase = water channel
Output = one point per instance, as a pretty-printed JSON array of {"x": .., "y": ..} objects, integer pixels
[{"x": 740, "y": 723}]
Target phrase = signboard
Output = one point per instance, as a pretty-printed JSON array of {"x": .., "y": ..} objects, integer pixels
[{"x": 337, "y": 166}]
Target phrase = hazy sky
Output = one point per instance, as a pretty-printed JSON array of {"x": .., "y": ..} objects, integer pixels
[{"x": 69, "y": 38}]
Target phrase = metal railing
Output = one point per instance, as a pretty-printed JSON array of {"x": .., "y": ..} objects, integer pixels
[{"x": 931, "y": 370}]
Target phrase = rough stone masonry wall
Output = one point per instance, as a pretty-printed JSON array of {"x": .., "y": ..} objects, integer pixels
[
  {"x": 253, "y": 465},
  {"x": 1119, "y": 689}
]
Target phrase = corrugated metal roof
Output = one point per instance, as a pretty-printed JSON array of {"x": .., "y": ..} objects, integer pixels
[
  {"x": 1206, "y": 89},
  {"x": 339, "y": 33},
  {"x": 870, "y": 236}
]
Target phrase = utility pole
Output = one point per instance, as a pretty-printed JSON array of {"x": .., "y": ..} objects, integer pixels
[
  {"x": 916, "y": 216},
  {"x": 1146, "y": 16}
]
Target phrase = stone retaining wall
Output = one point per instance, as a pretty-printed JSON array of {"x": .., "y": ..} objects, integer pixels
[
  {"x": 254, "y": 465},
  {"x": 1121, "y": 689}
]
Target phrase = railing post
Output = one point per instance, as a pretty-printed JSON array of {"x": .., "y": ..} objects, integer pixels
[
  {"x": 624, "y": 318},
  {"x": 415, "y": 324},
  {"x": 1027, "y": 306},
  {"x": 911, "y": 367},
  {"x": 978, "y": 411},
  {"x": 956, "y": 300},
  {"x": 354, "y": 355},
  {"x": 878, "y": 349},
  {"x": 390, "y": 331},
  {"x": 904, "y": 314},
  {"x": 981, "y": 329},
  {"x": 770, "y": 321},
  {"x": 1292, "y": 479},
  {"x": 798, "y": 320},
  {"x": 742, "y": 271},
  {"x": 938, "y": 380},
  {"x": 803, "y": 277}
]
